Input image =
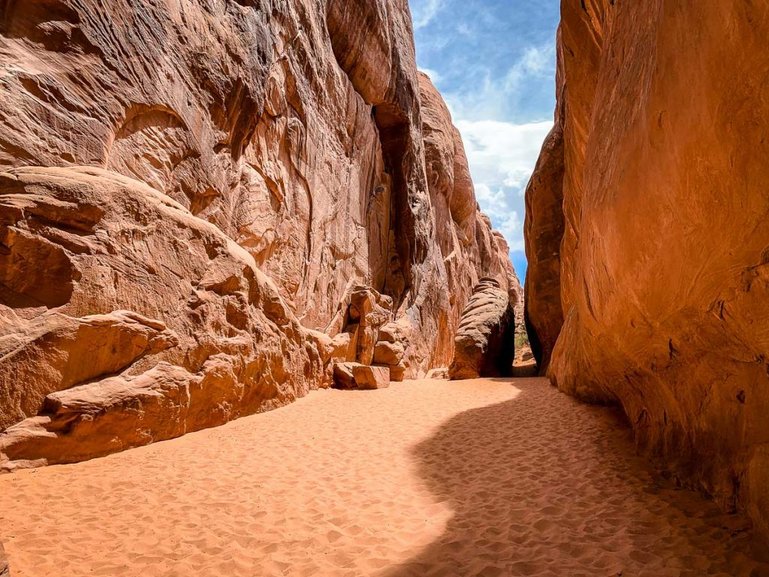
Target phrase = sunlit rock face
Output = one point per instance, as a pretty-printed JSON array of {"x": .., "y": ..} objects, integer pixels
[
  {"x": 655, "y": 259},
  {"x": 191, "y": 190}
]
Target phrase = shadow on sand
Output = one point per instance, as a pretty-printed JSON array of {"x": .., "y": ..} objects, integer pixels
[{"x": 544, "y": 486}]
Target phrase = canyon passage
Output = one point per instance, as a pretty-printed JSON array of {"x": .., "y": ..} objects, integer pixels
[{"x": 253, "y": 320}]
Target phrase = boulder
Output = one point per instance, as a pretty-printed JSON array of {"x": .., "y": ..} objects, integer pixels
[
  {"x": 389, "y": 333},
  {"x": 368, "y": 311},
  {"x": 367, "y": 377},
  {"x": 485, "y": 339},
  {"x": 358, "y": 376},
  {"x": 343, "y": 375},
  {"x": 388, "y": 354},
  {"x": 439, "y": 374},
  {"x": 397, "y": 373}
]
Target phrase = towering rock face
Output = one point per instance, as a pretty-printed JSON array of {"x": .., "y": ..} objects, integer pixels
[
  {"x": 191, "y": 191},
  {"x": 470, "y": 249},
  {"x": 647, "y": 234}
]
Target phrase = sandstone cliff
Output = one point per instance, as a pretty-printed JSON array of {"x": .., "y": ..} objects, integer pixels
[
  {"x": 190, "y": 191},
  {"x": 647, "y": 237}
]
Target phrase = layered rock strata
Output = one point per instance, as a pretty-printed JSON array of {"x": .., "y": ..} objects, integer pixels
[
  {"x": 646, "y": 235},
  {"x": 190, "y": 192},
  {"x": 484, "y": 345}
]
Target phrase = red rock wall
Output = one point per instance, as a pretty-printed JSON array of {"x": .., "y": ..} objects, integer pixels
[
  {"x": 661, "y": 279},
  {"x": 189, "y": 191}
]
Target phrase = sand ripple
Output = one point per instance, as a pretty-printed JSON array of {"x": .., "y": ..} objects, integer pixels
[{"x": 477, "y": 478}]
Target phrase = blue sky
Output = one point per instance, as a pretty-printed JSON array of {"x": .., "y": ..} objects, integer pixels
[{"x": 494, "y": 63}]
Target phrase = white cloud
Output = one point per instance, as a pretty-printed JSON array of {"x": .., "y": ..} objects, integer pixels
[
  {"x": 489, "y": 94},
  {"x": 424, "y": 11},
  {"x": 502, "y": 156},
  {"x": 536, "y": 61}
]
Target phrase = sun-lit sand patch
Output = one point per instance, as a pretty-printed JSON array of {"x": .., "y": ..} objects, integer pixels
[{"x": 424, "y": 478}]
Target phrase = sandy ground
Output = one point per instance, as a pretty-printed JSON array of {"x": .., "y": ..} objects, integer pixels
[{"x": 487, "y": 478}]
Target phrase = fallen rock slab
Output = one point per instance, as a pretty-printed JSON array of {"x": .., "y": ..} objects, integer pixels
[
  {"x": 389, "y": 354},
  {"x": 367, "y": 377},
  {"x": 359, "y": 376}
]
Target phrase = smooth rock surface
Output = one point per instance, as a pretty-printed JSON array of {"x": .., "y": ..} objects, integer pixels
[
  {"x": 485, "y": 339},
  {"x": 661, "y": 275},
  {"x": 367, "y": 377}
]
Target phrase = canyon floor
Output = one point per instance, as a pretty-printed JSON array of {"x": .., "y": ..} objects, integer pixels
[{"x": 484, "y": 477}]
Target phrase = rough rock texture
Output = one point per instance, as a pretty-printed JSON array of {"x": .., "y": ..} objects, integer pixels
[
  {"x": 55, "y": 352},
  {"x": 190, "y": 192},
  {"x": 368, "y": 338},
  {"x": 471, "y": 250},
  {"x": 4, "y": 569},
  {"x": 484, "y": 345},
  {"x": 128, "y": 246},
  {"x": 662, "y": 281}
]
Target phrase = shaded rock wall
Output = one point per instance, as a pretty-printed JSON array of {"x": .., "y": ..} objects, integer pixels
[
  {"x": 190, "y": 192},
  {"x": 661, "y": 275}
]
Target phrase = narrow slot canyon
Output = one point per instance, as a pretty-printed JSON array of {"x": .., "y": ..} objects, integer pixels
[{"x": 323, "y": 288}]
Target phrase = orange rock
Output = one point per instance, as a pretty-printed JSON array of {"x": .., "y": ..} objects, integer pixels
[
  {"x": 660, "y": 276},
  {"x": 389, "y": 354},
  {"x": 485, "y": 339},
  {"x": 359, "y": 376},
  {"x": 343, "y": 375},
  {"x": 371, "y": 377},
  {"x": 54, "y": 352},
  {"x": 4, "y": 569},
  {"x": 235, "y": 188},
  {"x": 469, "y": 247}
]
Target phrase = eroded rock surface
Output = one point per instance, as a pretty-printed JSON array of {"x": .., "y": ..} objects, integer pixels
[
  {"x": 226, "y": 327},
  {"x": 484, "y": 345},
  {"x": 55, "y": 352},
  {"x": 5, "y": 571},
  {"x": 200, "y": 186},
  {"x": 661, "y": 276}
]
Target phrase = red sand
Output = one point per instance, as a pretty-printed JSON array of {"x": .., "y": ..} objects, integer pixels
[{"x": 487, "y": 478}]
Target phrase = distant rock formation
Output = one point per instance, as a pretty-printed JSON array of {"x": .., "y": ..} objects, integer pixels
[
  {"x": 484, "y": 345},
  {"x": 647, "y": 236},
  {"x": 189, "y": 194}
]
